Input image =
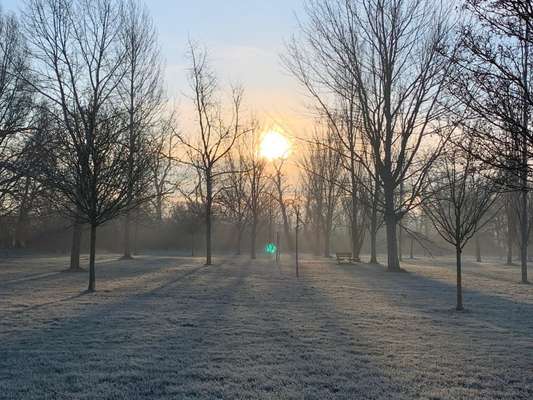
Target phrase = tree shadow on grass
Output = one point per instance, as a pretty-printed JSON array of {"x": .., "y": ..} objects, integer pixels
[{"x": 433, "y": 297}]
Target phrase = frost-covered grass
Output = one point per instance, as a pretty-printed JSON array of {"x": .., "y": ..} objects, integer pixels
[{"x": 163, "y": 327}]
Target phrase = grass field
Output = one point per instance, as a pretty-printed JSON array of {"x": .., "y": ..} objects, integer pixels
[{"x": 163, "y": 327}]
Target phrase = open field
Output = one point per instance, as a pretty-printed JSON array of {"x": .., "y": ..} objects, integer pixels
[{"x": 163, "y": 327}]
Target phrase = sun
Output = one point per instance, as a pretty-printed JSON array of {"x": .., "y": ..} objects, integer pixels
[{"x": 274, "y": 146}]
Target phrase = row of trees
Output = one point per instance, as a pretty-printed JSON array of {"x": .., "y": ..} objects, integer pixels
[
  {"x": 418, "y": 116},
  {"x": 427, "y": 113},
  {"x": 84, "y": 113}
]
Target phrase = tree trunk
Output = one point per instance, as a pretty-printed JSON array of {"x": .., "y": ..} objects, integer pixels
[
  {"x": 478, "y": 249},
  {"x": 327, "y": 242},
  {"x": 459, "y": 279},
  {"x": 511, "y": 228},
  {"x": 374, "y": 227},
  {"x": 127, "y": 237},
  {"x": 239, "y": 239},
  {"x": 286, "y": 227},
  {"x": 393, "y": 263},
  {"x": 253, "y": 244},
  {"x": 400, "y": 242},
  {"x": 316, "y": 247},
  {"x": 159, "y": 208},
  {"x": 411, "y": 249},
  {"x": 75, "y": 246},
  {"x": 208, "y": 219},
  {"x": 524, "y": 233},
  {"x": 356, "y": 245},
  {"x": 524, "y": 228},
  {"x": 92, "y": 254},
  {"x": 19, "y": 239}
]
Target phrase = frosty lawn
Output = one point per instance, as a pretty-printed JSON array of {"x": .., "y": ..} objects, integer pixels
[{"x": 170, "y": 328}]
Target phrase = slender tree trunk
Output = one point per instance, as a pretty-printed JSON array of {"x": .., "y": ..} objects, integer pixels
[
  {"x": 19, "y": 239},
  {"x": 208, "y": 218},
  {"x": 478, "y": 249},
  {"x": 127, "y": 237},
  {"x": 239, "y": 239},
  {"x": 524, "y": 233},
  {"x": 159, "y": 208},
  {"x": 411, "y": 249},
  {"x": 400, "y": 242},
  {"x": 76, "y": 246},
  {"x": 327, "y": 241},
  {"x": 297, "y": 228},
  {"x": 400, "y": 229},
  {"x": 253, "y": 244},
  {"x": 511, "y": 229},
  {"x": 316, "y": 247},
  {"x": 92, "y": 255},
  {"x": 459, "y": 279},
  {"x": 356, "y": 246},
  {"x": 374, "y": 225},
  {"x": 286, "y": 227},
  {"x": 525, "y": 159}
]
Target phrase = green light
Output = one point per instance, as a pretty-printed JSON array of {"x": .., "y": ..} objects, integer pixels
[{"x": 271, "y": 248}]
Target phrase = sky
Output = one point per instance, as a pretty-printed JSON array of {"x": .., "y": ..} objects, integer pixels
[{"x": 245, "y": 39}]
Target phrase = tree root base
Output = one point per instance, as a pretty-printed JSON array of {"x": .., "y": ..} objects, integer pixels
[
  {"x": 74, "y": 270},
  {"x": 397, "y": 270}
]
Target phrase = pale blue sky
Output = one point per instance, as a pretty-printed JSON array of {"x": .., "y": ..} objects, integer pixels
[{"x": 245, "y": 39}]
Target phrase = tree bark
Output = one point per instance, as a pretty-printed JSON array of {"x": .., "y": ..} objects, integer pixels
[
  {"x": 459, "y": 279},
  {"x": 511, "y": 230},
  {"x": 127, "y": 237},
  {"x": 374, "y": 226},
  {"x": 239, "y": 239},
  {"x": 208, "y": 219},
  {"x": 400, "y": 242},
  {"x": 478, "y": 249},
  {"x": 524, "y": 233},
  {"x": 327, "y": 242},
  {"x": 286, "y": 227},
  {"x": 75, "y": 246},
  {"x": 253, "y": 244},
  {"x": 393, "y": 263},
  {"x": 92, "y": 255},
  {"x": 20, "y": 228}
]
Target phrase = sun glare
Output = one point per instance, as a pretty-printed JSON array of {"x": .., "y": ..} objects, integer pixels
[{"x": 274, "y": 146}]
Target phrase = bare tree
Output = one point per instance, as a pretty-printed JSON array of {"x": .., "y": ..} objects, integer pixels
[
  {"x": 492, "y": 81},
  {"x": 215, "y": 137},
  {"x": 279, "y": 191},
  {"x": 163, "y": 168},
  {"x": 233, "y": 195},
  {"x": 257, "y": 186},
  {"x": 324, "y": 181},
  {"x": 140, "y": 89},
  {"x": 460, "y": 196},
  {"x": 15, "y": 106},
  {"x": 383, "y": 58},
  {"x": 79, "y": 60}
]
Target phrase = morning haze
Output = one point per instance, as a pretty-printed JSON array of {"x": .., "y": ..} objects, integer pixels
[{"x": 300, "y": 199}]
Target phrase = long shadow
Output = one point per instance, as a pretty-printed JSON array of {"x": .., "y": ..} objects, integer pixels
[
  {"x": 433, "y": 296},
  {"x": 215, "y": 342},
  {"x": 116, "y": 332},
  {"x": 397, "y": 349}
]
